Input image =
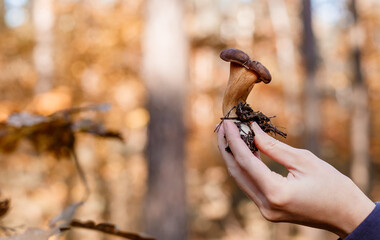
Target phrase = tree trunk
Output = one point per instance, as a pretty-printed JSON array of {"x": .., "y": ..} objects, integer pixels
[
  {"x": 360, "y": 138},
  {"x": 43, "y": 20},
  {"x": 165, "y": 73},
  {"x": 2, "y": 15},
  {"x": 312, "y": 101},
  {"x": 312, "y": 98}
]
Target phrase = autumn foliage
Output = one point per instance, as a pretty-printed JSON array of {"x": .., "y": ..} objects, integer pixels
[{"x": 60, "y": 148}]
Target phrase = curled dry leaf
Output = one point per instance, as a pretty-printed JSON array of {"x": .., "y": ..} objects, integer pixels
[
  {"x": 54, "y": 133},
  {"x": 57, "y": 226},
  {"x": 64, "y": 219},
  {"x": 33, "y": 234}
]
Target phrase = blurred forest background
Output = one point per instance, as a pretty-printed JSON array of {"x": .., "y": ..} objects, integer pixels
[{"x": 157, "y": 63}]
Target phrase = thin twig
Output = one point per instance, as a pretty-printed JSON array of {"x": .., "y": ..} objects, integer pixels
[
  {"x": 81, "y": 174},
  {"x": 109, "y": 229},
  {"x": 225, "y": 117}
]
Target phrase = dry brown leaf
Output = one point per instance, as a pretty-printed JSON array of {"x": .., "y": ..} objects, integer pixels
[
  {"x": 57, "y": 225},
  {"x": 63, "y": 220},
  {"x": 33, "y": 234},
  {"x": 54, "y": 133}
]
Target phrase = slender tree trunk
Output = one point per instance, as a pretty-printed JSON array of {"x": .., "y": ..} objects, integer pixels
[
  {"x": 360, "y": 124},
  {"x": 312, "y": 101},
  {"x": 43, "y": 20},
  {"x": 312, "y": 98},
  {"x": 165, "y": 72},
  {"x": 2, "y": 15}
]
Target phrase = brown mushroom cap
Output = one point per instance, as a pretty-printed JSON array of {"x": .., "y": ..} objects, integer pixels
[
  {"x": 234, "y": 55},
  {"x": 244, "y": 74}
]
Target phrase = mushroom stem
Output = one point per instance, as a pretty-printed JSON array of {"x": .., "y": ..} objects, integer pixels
[{"x": 240, "y": 84}]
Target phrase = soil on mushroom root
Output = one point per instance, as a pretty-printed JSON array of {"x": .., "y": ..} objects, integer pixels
[{"x": 246, "y": 115}]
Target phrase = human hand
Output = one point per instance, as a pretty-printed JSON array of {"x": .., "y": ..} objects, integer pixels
[{"x": 313, "y": 194}]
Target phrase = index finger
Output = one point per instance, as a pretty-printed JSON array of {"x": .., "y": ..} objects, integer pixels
[
  {"x": 256, "y": 169},
  {"x": 278, "y": 151}
]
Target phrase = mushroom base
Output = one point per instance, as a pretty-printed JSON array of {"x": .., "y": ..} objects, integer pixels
[
  {"x": 247, "y": 135},
  {"x": 245, "y": 116}
]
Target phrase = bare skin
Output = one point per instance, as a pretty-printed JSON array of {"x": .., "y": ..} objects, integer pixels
[{"x": 314, "y": 193}]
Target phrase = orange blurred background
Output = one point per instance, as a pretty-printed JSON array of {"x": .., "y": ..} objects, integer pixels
[{"x": 60, "y": 54}]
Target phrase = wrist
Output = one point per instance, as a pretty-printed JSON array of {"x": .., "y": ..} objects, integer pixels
[{"x": 355, "y": 213}]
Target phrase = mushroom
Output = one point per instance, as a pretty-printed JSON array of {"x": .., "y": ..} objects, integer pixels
[{"x": 244, "y": 74}]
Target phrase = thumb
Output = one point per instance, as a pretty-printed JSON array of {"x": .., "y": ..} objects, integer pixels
[{"x": 278, "y": 151}]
